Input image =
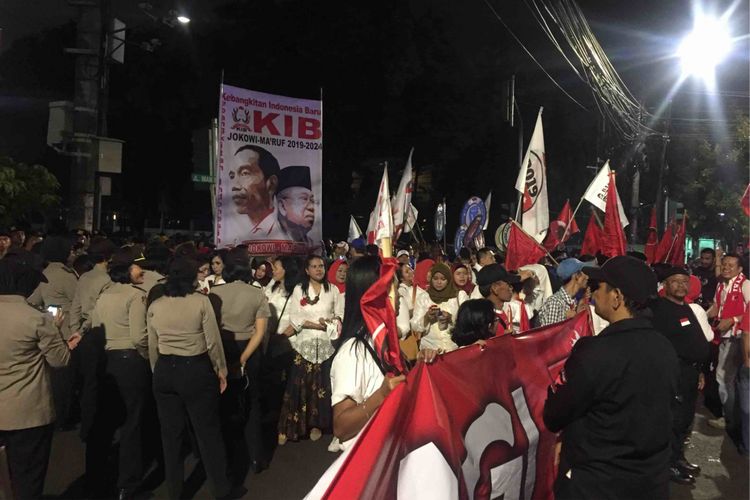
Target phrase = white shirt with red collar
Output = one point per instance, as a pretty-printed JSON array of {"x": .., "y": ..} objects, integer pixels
[{"x": 723, "y": 292}]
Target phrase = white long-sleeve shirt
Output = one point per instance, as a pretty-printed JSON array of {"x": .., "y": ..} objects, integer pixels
[
  {"x": 315, "y": 345},
  {"x": 433, "y": 337}
]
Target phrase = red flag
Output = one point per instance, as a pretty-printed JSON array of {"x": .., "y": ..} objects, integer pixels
[
  {"x": 448, "y": 433},
  {"x": 662, "y": 250},
  {"x": 613, "y": 237},
  {"x": 522, "y": 249},
  {"x": 653, "y": 238},
  {"x": 745, "y": 202},
  {"x": 557, "y": 228},
  {"x": 380, "y": 318},
  {"x": 593, "y": 237},
  {"x": 677, "y": 254}
]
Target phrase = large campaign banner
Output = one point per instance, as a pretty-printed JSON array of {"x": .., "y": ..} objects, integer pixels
[
  {"x": 269, "y": 172},
  {"x": 468, "y": 426}
]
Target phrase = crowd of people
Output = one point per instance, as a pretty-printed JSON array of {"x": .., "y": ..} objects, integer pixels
[{"x": 159, "y": 347}]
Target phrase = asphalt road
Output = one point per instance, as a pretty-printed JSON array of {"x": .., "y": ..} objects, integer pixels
[{"x": 295, "y": 468}]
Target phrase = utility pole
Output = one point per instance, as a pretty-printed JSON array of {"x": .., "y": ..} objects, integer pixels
[
  {"x": 88, "y": 52},
  {"x": 662, "y": 167}
]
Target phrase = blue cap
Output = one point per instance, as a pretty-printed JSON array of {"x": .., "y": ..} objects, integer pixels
[{"x": 569, "y": 267}]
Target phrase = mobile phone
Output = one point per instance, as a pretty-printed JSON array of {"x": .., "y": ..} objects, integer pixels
[{"x": 53, "y": 310}]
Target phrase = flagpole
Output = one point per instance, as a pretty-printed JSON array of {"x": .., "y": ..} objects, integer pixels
[
  {"x": 674, "y": 238},
  {"x": 534, "y": 239},
  {"x": 570, "y": 222},
  {"x": 445, "y": 229}
]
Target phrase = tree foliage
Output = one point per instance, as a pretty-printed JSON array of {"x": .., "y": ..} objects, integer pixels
[
  {"x": 25, "y": 191},
  {"x": 709, "y": 177}
]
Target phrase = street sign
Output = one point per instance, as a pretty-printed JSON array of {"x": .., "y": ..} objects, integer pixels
[{"x": 207, "y": 179}]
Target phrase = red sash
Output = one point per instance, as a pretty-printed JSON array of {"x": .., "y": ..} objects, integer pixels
[
  {"x": 504, "y": 325},
  {"x": 734, "y": 305}
]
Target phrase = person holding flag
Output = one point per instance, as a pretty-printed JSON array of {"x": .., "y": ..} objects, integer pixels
[{"x": 565, "y": 303}]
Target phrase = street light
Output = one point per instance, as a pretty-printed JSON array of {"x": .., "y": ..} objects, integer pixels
[
  {"x": 183, "y": 19},
  {"x": 705, "y": 47}
]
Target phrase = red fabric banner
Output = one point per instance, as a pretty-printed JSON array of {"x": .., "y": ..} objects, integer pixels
[
  {"x": 593, "y": 237},
  {"x": 468, "y": 426},
  {"x": 522, "y": 249},
  {"x": 380, "y": 318},
  {"x": 653, "y": 238},
  {"x": 613, "y": 242}
]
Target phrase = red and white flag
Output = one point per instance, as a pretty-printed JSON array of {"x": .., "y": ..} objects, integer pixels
[
  {"x": 401, "y": 202},
  {"x": 532, "y": 184},
  {"x": 596, "y": 193},
  {"x": 613, "y": 243},
  {"x": 380, "y": 318},
  {"x": 522, "y": 249},
  {"x": 381, "y": 218},
  {"x": 448, "y": 433},
  {"x": 559, "y": 232}
]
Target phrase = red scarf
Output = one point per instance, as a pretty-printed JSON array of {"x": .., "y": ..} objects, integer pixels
[
  {"x": 504, "y": 324},
  {"x": 332, "y": 275},
  {"x": 735, "y": 302}
]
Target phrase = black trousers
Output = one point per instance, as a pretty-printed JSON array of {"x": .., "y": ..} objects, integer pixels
[
  {"x": 683, "y": 410},
  {"x": 28, "y": 455},
  {"x": 89, "y": 362},
  {"x": 187, "y": 386}
]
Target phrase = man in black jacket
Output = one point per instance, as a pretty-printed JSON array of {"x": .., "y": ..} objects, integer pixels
[
  {"x": 675, "y": 319},
  {"x": 613, "y": 400}
]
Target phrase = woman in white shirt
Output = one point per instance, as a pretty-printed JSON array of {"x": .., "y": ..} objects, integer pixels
[
  {"x": 286, "y": 275},
  {"x": 358, "y": 383},
  {"x": 435, "y": 312},
  {"x": 315, "y": 310}
]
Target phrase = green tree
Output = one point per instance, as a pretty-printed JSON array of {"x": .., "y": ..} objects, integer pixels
[
  {"x": 26, "y": 191},
  {"x": 709, "y": 177}
]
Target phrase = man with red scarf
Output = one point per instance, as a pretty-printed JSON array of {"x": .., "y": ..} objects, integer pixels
[{"x": 730, "y": 301}]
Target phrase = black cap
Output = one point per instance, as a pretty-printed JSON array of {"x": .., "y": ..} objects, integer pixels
[
  {"x": 294, "y": 176},
  {"x": 493, "y": 273},
  {"x": 671, "y": 271},
  {"x": 632, "y": 276}
]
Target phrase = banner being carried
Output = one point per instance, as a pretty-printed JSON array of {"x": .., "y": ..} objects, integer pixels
[
  {"x": 468, "y": 426},
  {"x": 269, "y": 172}
]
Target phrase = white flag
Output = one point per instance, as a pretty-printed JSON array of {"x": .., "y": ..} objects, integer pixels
[
  {"x": 411, "y": 218},
  {"x": 381, "y": 220},
  {"x": 487, "y": 203},
  {"x": 354, "y": 230},
  {"x": 596, "y": 194},
  {"x": 402, "y": 199},
  {"x": 532, "y": 184}
]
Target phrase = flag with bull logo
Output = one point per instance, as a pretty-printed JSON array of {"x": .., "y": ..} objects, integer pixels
[
  {"x": 532, "y": 184},
  {"x": 468, "y": 426}
]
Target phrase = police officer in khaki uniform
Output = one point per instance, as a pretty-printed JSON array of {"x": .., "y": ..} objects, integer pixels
[
  {"x": 120, "y": 311},
  {"x": 30, "y": 344},
  {"x": 244, "y": 317},
  {"x": 58, "y": 291},
  {"x": 190, "y": 373},
  {"x": 88, "y": 353}
]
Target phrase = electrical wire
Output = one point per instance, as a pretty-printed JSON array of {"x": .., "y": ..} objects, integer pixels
[{"x": 528, "y": 52}]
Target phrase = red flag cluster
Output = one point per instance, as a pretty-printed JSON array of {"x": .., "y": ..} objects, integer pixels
[{"x": 561, "y": 228}]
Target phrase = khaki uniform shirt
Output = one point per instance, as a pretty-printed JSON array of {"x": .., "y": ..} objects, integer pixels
[
  {"x": 184, "y": 326},
  {"x": 151, "y": 279},
  {"x": 90, "y": 285},
  {"x": 241, "y": 305},
  {"x": 58, "y": 291},
  {"x": 29, "y": 344},
  {"x": 121, "y": 311}
]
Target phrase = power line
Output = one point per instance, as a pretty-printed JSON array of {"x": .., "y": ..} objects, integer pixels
[{"x": 492, "y": 9}]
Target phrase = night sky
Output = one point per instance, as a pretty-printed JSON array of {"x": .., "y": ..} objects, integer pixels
[{"x": 394, "y": 74}]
